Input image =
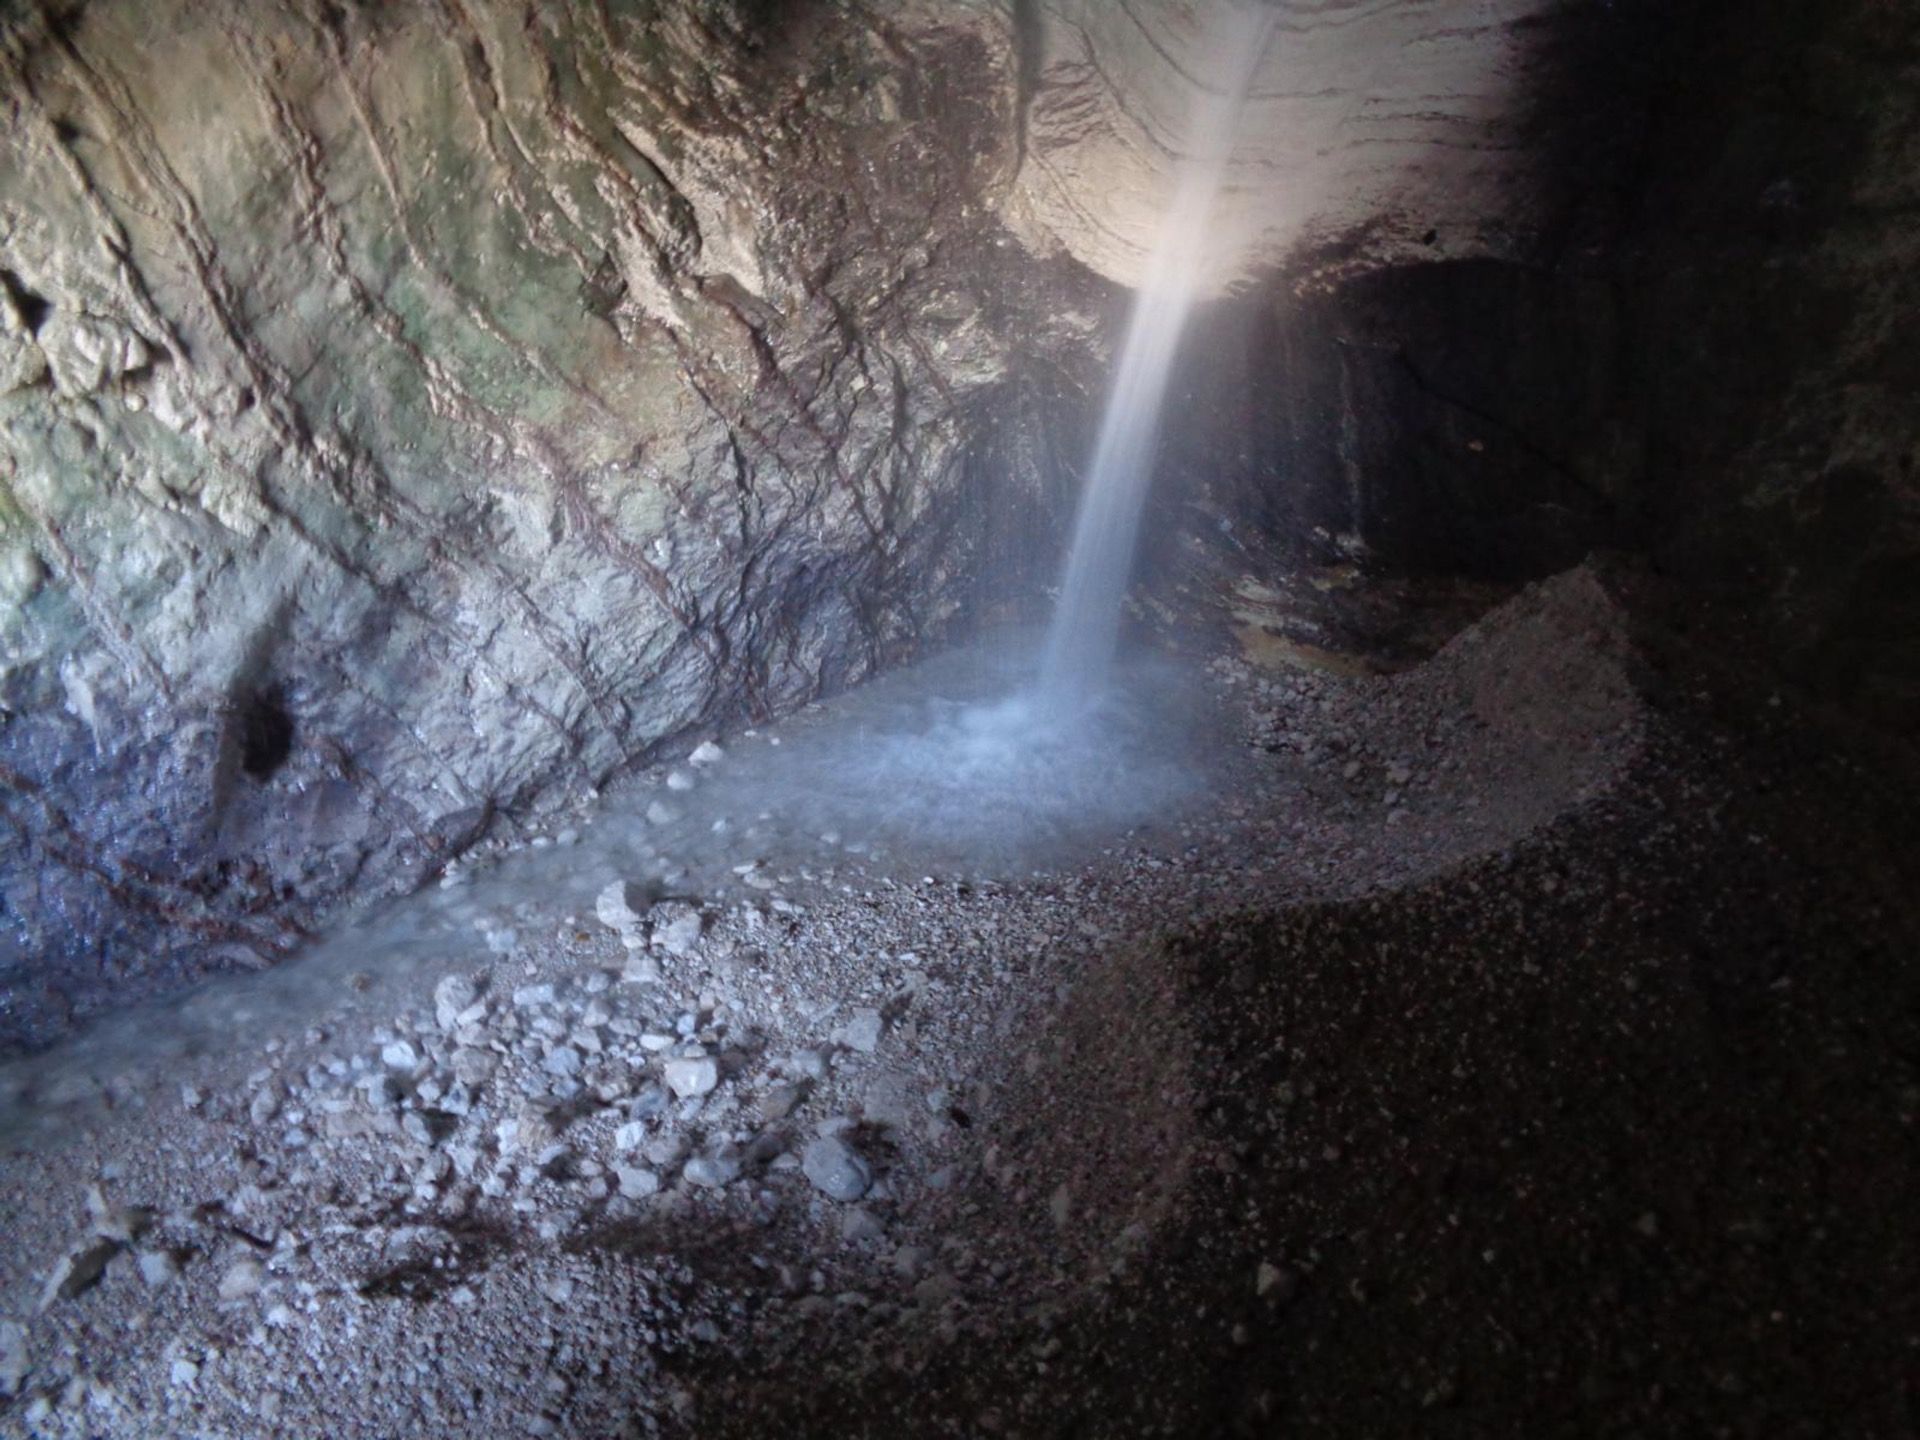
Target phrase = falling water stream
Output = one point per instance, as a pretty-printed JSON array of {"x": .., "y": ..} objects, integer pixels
[{"x": 1080, "y": 647}]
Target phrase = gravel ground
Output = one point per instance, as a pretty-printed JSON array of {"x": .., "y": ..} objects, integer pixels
[{"x": 1520, "y": 1045}]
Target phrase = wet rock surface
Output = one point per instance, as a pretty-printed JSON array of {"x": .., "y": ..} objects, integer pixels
[{"x": 1510, "y": 1045}]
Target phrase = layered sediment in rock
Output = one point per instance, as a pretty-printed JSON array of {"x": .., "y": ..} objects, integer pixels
[{"x": 1372, "y": 132}]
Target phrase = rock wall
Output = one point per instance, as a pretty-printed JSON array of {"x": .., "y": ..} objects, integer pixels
[
  {"x": 1772, "y": 273},
  {"x": 414, "y": 413}
]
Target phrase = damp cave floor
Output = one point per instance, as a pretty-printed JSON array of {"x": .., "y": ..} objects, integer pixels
[{"x": 1522, "y": 1045}]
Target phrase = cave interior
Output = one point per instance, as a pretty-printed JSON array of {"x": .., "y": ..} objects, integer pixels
[{"x": 538, "y": 894}]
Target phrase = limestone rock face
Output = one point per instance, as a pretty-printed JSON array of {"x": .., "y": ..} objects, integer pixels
[{"x": 410, "y": 414}]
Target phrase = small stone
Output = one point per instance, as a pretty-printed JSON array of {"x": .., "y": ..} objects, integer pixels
[
  {"x": 648, "y": 1101},
  {"x": 266, "y": 1103},
  {"x": 779, "y": 1102},
  {"x": 862, "y": 1032},
  {"x": 809, "y": 1064},
  {"x": 620, "y": 906},
  {"x": 637, "y": 1182},
  {"x": 641, "y": 970},
  {"x": 679, "y": 780},
  {"x": 418, "y": 1128},
  {"x": 452, "y": 997},
  {"x": 183, "y": 1372},
  {"x": 562, "y": 1060},
  {"x": 676, "y": 927},
  {"x": 691, "y": 1077},
  {"x": 706, "y": 753},
  {"x": 399, "y": 1055},
  {"x": 242, "y": 1278},
  {"x": 665, "y": 1151},
  {"x": 860, "y": 1226},
  {"x": 532, "y": 997},
  {"x": 661, "y": 813},
  {"x": 714, "y": 1171},
  {"x": 836, "y": 1169},
  {"x": 473, "y": 1067},
  {"x": 14, "y": 1364}
]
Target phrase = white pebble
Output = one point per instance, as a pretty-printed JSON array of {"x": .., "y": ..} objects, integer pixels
[{"x": 690, "y": 1077}]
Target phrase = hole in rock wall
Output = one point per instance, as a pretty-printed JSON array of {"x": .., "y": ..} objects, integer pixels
[
  {"x": 266, "y": 732},
  {"x": 34, "y": 308}
]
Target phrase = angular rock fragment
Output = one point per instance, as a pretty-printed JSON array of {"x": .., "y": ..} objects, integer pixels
[
  {"x": 158, "y": 1268},
  {"x": 676, "y": 927},
  {"x": 14, "y": 1364},
  {"x": 779, "y": 1102},
  {"x": 863, "y": 1031},
  {"x": 721, "y": 1168},
  {"x": 242, "y": 1278},
  {"x": 637, "y": 1182},
  {"x": 836, "y": 1169},
  {"x": 691, "y": 1077},
  {"x": 621, "y": 907},
  {"x": 452, "y": 997}
]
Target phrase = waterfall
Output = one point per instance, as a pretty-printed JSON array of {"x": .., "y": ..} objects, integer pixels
[{"x": 1086, "y": 625}]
